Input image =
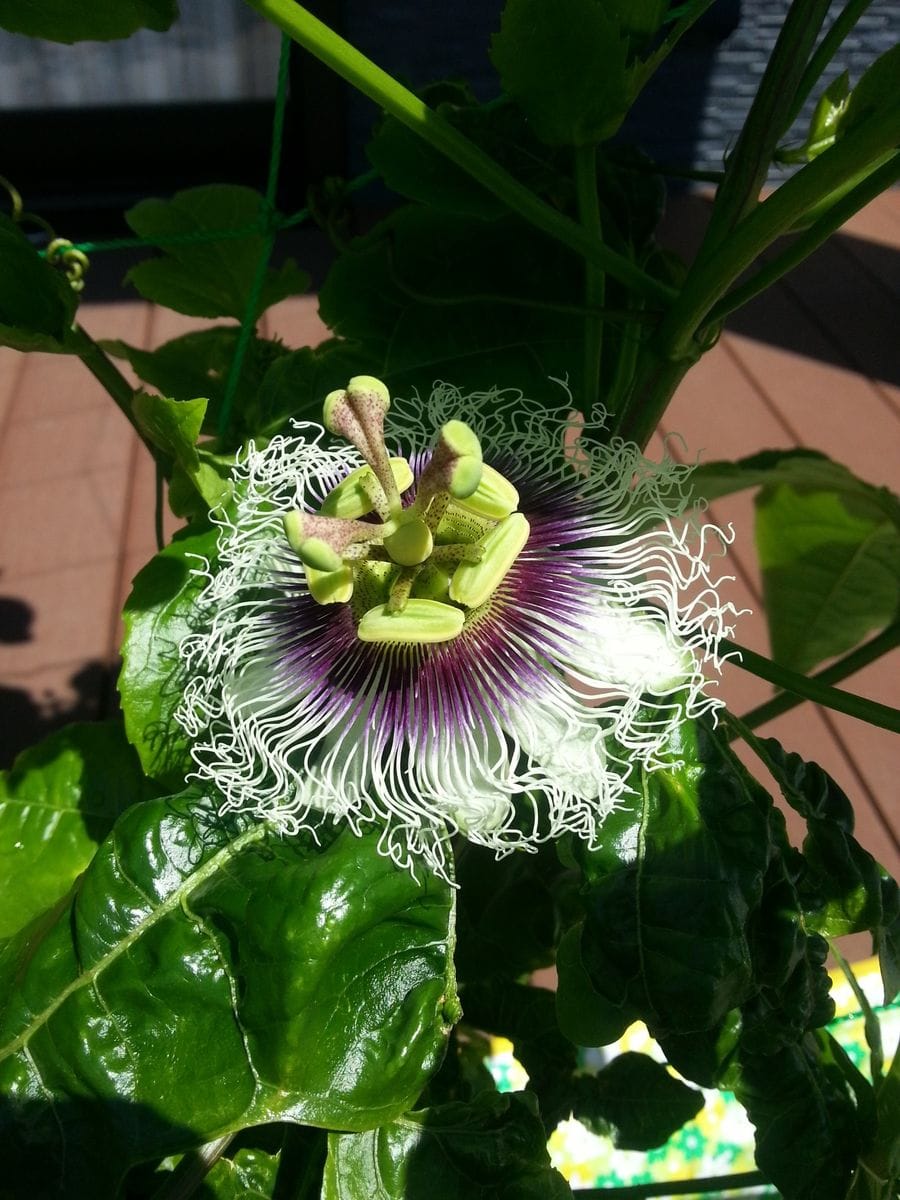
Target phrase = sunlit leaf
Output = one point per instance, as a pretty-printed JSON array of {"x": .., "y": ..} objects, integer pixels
[
  {"x": 206, "y": 276},
  {"x": 206, "y": 976},
  {"x": 159, "y": 612},
  {"x": 57, "y": 803}
]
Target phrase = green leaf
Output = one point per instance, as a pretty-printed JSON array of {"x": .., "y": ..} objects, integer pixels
[
  {"x": 843, "y": 883},
  {"x": 413, "y": 168},
  {"x": 527, "y": 1016},
  {"x": 432, "y": 296},
  {"x": 807, "y": 1137},
  {"x": 249, "y": 1175},
  {"x": 831, "y": 571},
  {"x": 159, "y": 612},
  {"x": 493, "y": 1148},
  {"x": 37, "y": 305},
  {"x": 200, "y": 480},
  {"x": 669, "y": 894},
  {"x": 508, "y": 912},
  {"x": 57, "y": 803},
  {"x": 637, "y": 1101},
  {"x": 86, "y": 20},
  {"x": 206, "y": 976},
  {"x": 208, "y": 277},
  {"x": 295, "y": 385},
  {"x": 566, "y": 65},
  {"x": 171, "y": 425},
  {"x": 198, "y": 364},
  {"x": 803, "y": 470}
]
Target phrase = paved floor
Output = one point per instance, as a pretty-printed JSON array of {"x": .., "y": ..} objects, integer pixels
[{"x": 815, "y": 363}]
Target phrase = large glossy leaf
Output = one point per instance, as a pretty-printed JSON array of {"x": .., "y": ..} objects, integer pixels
[
  {"x": 493, "y": 1148},
  {"x": 206, "y": 976},
  {"x": 831, "y": 571},
  {"x": 566, "y": 65},
  {"x": 57, "y": 803},
  {"x": 669, "y": 895},
  {"x": 209, "y": 276},
  {"x": 36, "y": 302},
  {"x": 159, "y": 612},
  {"x": 86, "y": 20},
  {"x": 431, "y": 296}
]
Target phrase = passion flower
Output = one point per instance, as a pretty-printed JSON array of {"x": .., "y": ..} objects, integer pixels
[{"x": 433, "y": 616}]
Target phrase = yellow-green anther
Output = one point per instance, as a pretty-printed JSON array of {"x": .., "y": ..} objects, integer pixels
[
  {"x": 352, "y": 498},
  {"x": 410, "y": 544},
  {"x": 495, "y": 496},
  {"x": 330, "y": 587},
  {"x": 473, "y": 583},
  {"x": 421, "y": 623},
  {"x": 316, "y": 553}
]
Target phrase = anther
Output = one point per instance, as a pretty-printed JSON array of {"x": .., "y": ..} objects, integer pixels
[{"x": 473, "y": 583}]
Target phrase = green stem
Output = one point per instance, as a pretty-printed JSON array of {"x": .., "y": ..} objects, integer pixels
[
  {"x": 110, "y": 379},
  {"x": 881, "y": 715},
  {"x": 192, "y": 1170},
  {"x": 158, "y": 500},
  {"x": 594, "y": 278},
  {"x": 712, "y": 274},
  {"x": 887, "y": 640},
  {"x": 767, "y": 119},
  {"x": 870, "y": 1020},
  {"x": 811, "y": 239},
  {"x": 824, "y": 53},
  {"x": 412, "y": 112}
]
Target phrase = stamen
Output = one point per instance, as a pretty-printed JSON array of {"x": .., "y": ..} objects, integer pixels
[
  {"x": 473, "y": 583},
  {"x": 495, "y": 497},
  {"x": 361, "y": 493},
  {"x": 357, "y": 414},
  {"x": 421, "y": 623},
  {"x": 401, "y": 589}
]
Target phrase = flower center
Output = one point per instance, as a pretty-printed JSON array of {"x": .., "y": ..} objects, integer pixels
[{"x": 412, "y": 571}]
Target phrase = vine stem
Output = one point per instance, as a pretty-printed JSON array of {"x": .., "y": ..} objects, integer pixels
[
  {"x": 594, "y": 278},
  {"x": 680, "y": 1187},
  {"x": 399, "y": 102},
  {"x": 809, "y": 688},
  {"x": 887, "y": 640},
  {"x": 870, "y": 1020},
  {"x": 110, "y": 379}
]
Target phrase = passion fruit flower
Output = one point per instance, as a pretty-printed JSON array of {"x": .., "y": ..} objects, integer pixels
[{"x": 450, "y": 623}]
